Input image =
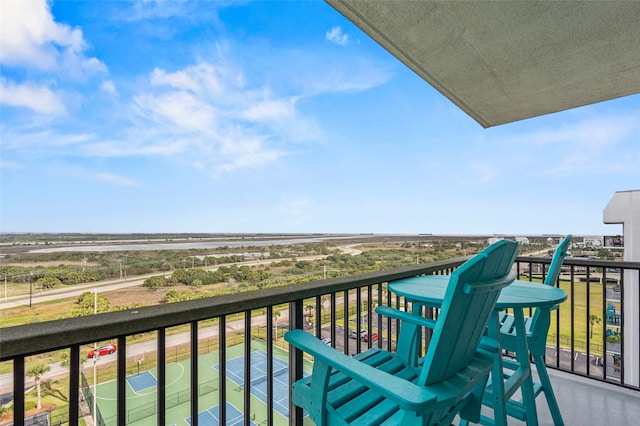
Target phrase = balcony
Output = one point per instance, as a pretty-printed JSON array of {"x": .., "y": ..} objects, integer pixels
[{"x": 169, "y": 358}]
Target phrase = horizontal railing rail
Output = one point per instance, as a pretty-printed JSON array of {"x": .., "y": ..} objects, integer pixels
[{"x": 340, "y": 310}]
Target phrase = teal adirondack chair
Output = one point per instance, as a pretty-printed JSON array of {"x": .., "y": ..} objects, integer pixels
[
  {"x": 613, "y": 317},
  {"x": 537, "y": 327},
  {"x": 377, "y": 387}
]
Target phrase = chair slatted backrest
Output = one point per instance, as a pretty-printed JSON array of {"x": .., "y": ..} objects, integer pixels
[
  {"x": 538, "y": 323},
  {"x": 469, "y": 302},
  {"x": 556, "y": 263}
]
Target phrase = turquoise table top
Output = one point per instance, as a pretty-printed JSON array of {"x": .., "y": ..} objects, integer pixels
[{"x": 430, "y": 290}]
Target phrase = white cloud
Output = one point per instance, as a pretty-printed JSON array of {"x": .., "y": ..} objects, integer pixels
[
  {"x": 296, "y": 208},
  {"x": 158, "y": 9},
  {"x": 592, "y": 131},
  {"x": 582, "y": 147},
  {"x": 271, "y": 109},
  {"x": 245, "y": 153},
  {"x": 99, "y": 176},
  {"x": 31, "y": 38},
  {"x": 201, "y": 114},
  {"x": 184, "y": 111},
  {"x": 229, "y": 126},
  {"x": 38, "y": 98},
  {"x": 482, "y": 173},
  {"x": 8, "y": 164},
  {"x": 113, "y": 178},
  {"x": 109, "y": 87},
  {"x": 338, "y": 81},
  {"x": 196, "y": 78},
  {"x": 335, "y": 35},
  {"x": 135, "y": 144},
  {"x": 347, "y": 74},
  {"x": 42, "y": 142},
  {"x": 179, "y": 80}
]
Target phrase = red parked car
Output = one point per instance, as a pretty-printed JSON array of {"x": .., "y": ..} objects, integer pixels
[
  {"x": 365, "y": 336},
  {"x": 102, "y": 350}
]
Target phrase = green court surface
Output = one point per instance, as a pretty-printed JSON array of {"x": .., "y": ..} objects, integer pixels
[{"x": 141, "y": 404}]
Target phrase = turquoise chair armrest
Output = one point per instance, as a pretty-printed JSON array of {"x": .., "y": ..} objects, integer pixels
[
  {"x": 486, "y": 343},
  {"x": 405, "y": 316},
  {"x": 407, "y": 395}
]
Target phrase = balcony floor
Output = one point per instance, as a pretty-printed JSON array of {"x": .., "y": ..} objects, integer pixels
[{"x": 588, "y": 402}]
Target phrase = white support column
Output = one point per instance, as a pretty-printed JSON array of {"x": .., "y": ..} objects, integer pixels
[{"x": 624, "y": 208}]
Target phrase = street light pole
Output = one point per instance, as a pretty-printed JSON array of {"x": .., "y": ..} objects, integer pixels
[
  {"x": 30, "y": 288},
  {"x": 95, "y": 361},
  {"x": 95, "y": 389}
]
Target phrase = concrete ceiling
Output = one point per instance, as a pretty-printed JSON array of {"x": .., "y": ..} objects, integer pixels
[{"x": 504, "y": 61}]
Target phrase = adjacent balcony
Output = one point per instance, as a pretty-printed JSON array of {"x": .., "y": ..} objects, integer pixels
[{"x": 222, "y": 360}]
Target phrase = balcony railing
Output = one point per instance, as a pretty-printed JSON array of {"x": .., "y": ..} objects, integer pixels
[
  {"x": 586, "y": 335},
  {"x": 171, "y": 358}
]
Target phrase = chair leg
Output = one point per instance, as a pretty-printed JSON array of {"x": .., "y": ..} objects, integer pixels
[
  {"x": 545, "y": 384},
  {"x": 522, "y": 356}
]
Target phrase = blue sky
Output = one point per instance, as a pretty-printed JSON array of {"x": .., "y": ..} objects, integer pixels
[{"x": 193, "y": 116}]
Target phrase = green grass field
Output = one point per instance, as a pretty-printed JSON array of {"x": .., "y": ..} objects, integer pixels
[{"x": 587, "y": 300}]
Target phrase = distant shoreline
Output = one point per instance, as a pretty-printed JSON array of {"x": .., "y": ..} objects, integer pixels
[{"x": 49, "y": 242}]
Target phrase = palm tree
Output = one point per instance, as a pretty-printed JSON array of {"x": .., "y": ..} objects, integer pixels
[
  {"x": 385, "y": 294},
  {"x": 309, "y": 308},
  {"x": 593, "y": 319},
  {"x": 36, "y": 372},
  {"x": 325, "y": 302},
  {"x": 276, "y": 314}
]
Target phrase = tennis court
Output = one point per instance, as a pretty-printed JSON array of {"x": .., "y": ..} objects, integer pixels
[
  {"x": 235, "y": 372},
  {"x": 142, "y": 406},
  {"x": 142, "y": 381},
  {"x": 211, "y": 417},
  {"x": 141, "y": 394}
]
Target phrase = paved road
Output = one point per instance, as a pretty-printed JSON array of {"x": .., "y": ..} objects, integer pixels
[{"x": 111, "y": 285}]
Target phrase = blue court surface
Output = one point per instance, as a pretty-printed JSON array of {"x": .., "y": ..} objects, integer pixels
[
  {"x": 142, "y": 381},
  {"x": 235, "y": 372},
  {"x": 211, "y": 417}
]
